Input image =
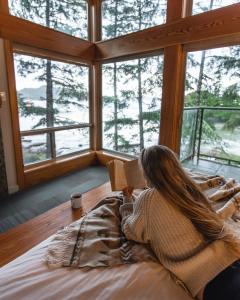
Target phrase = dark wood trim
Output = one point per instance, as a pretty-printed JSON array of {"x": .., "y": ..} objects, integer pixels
[
  {"x": 96, "y": 20},
  {"x": 202, "y": 27},
  {"x": 175, "y": 10},
  {"x": 58, "y": 167},
  {"x": 14, "y": 113},
  {"x": 34, "y": 35},
  {"x": 225, "y": 41},
  {"x": 53, "y": 129},
  {"x": 97, "y": 107},
  {"x": 42, "y": 53}
]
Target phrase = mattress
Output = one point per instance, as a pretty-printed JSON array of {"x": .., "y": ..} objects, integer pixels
[{"x": 28, "y": 277}]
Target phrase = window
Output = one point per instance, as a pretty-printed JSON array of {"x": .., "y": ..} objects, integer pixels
[
  {"x": 70, "y": 17},
  {"x": 131, "y": 104},
  {"x": 122, "y": 17},
  {"x": 211, "y": 123},
  {"x": 205, "y": 5},
  {"x": 53, "y": 104}
]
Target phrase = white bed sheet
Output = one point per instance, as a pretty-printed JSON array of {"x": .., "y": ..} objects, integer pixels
[{"x": 28, "y": 277}]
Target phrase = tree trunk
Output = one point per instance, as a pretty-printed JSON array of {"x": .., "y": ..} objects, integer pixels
[
  {"x": 115, "y": 107},
  {"x": 115, "y": 83},
  {"x": 140, "y": 105},
  {"x": 202, "y": 63},
  {"x": 139, "y": 77},
  {"x": 49, "y": 97}
]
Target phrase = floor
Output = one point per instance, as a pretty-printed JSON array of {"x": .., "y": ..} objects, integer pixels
[
  {"x": 23, "y": 206},
  {"x": 213, "y": 168}
]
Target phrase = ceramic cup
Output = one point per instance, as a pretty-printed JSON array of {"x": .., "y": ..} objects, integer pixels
[{"x": 76, "y": 200}]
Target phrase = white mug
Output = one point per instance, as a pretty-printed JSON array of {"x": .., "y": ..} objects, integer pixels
[{"x": 76, "y": 200}]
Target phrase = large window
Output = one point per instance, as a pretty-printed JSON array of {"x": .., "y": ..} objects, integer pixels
[
  {"x": 200, "y": 6},
  {"x": 53, "y": 107},
  {"x": 70, "y": 17},
  {"x": 211, "y": 123},
  {"x": 131, "y": 104},
  {"x": 122, "y": 17}
]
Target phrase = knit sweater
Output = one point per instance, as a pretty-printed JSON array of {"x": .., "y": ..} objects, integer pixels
[{"x": 179, "y": 247}]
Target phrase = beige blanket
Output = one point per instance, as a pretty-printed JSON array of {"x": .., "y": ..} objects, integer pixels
[{"x": 96, "y": 240}]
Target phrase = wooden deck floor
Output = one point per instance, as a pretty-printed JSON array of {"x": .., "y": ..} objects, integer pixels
[{"x": 20, "y": 239}]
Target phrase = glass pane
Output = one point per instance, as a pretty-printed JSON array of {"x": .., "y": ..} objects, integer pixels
[
  {"x": 70, "y": 17},
  {"x": 226, "y": 142},
  {"x": 36, "y": 148},
  {"x": 122, "y": 17},
  {"x": 188, "y": 133},
  {"x": 69, "y": 141},
  {"x": 213, "y": 89},
  {"x": 205, "y": 5},
  {"x": 50, "y": 93},
  {"x": 131, "y": 104}
]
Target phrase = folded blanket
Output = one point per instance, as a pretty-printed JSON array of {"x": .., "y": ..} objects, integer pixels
[{"x": 96, "y": 240}]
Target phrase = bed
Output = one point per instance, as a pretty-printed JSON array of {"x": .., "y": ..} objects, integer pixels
[{"x": 29, "y": 277}]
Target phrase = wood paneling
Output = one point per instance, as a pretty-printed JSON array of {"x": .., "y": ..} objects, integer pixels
[
  {"x": 20, "y": 239},
  {"x": 34, "y": 35},
  {"x": 206, "y": 26},
  {"x": 58, "y": 167},
  {"x": 14, "y": 113}
]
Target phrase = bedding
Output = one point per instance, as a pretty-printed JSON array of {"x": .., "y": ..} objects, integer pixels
[
  {"x": 96, "y": 240},
  {"x": 29, "y": 277}
]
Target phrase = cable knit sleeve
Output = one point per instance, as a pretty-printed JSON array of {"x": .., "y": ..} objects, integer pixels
[{"x": 135, "y": 218}]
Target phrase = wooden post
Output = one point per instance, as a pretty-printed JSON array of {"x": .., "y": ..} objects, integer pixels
[
  {"x": 173, "y": 84},
  {"x": 96, "y": 77}
]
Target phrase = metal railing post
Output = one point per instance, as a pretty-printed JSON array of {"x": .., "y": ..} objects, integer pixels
[{"x": 200, "y": 133}]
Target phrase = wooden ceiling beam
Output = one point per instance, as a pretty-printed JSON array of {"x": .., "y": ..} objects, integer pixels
[
  {"x": 30, "y": 34},
  {"x": 202, "y": 27}
]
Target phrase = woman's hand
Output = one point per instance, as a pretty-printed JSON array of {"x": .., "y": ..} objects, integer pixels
[{"x": 127, "y": 193}]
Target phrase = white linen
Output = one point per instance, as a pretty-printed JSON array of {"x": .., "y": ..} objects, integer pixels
[{"x": 28, "y": 277}]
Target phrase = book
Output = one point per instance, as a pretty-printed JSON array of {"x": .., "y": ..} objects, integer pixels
[{"x": 126, "y": 174}]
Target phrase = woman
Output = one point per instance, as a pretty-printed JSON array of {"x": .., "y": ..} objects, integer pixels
[{"x": 187, "y": 235}]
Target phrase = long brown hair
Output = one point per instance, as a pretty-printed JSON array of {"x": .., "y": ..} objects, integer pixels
[{"x": 164, "y": 172}]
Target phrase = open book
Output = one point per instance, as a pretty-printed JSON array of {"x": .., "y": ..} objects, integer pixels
[{"x": 126, "y": 174}]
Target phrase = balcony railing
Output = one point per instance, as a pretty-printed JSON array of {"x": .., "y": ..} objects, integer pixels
[{"x": 211, "y": 133}]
